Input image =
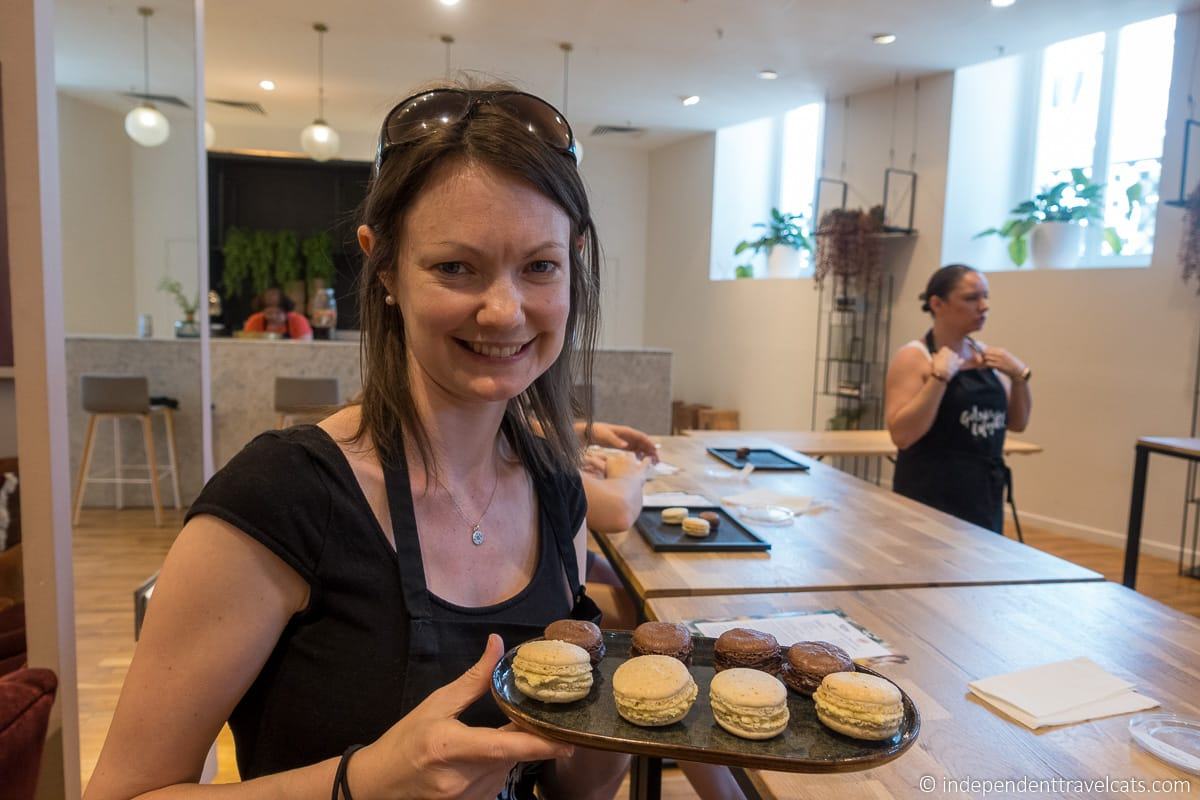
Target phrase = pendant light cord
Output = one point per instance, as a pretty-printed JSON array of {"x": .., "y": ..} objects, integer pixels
[
  {"x": 895, "y": 103},
  {"x": 447, "y": 40},
  {"x": 320, "y": 70},
  {"x": 845, "y": 127},
  {"x": 566, "y": 48},
  {"x": 912, "y": 158},
  {"x": 145, "y": 12}
]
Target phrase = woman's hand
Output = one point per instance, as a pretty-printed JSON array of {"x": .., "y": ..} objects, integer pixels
[
  {"x": 623, "y": 437},
  {"x": 594, "y": 464},
  {"x": 627, "y": 465},
  {"x": 946, "y": 364},
  {"x": 1000, "y": 359},
  {"x": 430, "y": 754}
]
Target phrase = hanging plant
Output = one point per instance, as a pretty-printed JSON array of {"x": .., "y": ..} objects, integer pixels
[
  {"x": 847, "y": 246},
  {"x": 262, "y": 246},
  {"x": 318, "y": 257},
  {"x": 287, "y": 259},
  {"x": 239, "y": 253},
  {"x": 1189, "y": 252}
]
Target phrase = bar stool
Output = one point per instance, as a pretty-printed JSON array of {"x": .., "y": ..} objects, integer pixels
[
  {"x": 303, "y": 397},
  {"x": 118, "y": 397}
]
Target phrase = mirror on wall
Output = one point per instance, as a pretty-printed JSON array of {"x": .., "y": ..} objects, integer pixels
[{"x": 129, "y": 169}]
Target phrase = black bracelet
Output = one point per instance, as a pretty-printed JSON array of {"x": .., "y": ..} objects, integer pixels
[{"x": 341, "y": 784}]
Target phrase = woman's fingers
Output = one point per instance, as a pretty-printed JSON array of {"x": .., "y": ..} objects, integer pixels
[
  {"x": 503, "y": 746},
  {"x": 453, "y": 698}
]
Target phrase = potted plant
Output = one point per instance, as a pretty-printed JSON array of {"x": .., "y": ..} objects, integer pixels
[
  {"x": 289, "y": 272},
  {"x": 1189, "y": 250},
  {"x": 848, "y": 246},
  {"x": 187, "y": 326},
  {"x": 1050, "y": 226},
  {"x": 318, "y": 260},
  {"x": 238, "y": 252},
  {"x": 782, "y": 239}
]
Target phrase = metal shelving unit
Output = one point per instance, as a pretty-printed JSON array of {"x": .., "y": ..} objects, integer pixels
[{"x": 852, "y": 347}]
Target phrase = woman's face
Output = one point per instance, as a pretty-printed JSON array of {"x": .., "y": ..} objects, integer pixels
[
  {"x": 965, "y": 309},
  {"x": 483, "y": 282}
]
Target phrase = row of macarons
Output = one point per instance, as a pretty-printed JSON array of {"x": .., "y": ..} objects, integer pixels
[
  {"x": 748, "y": 695},
  {"x": 699, "y": 526}
]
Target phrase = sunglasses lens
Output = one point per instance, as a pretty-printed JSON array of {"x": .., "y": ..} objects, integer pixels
[
  {"x": 541, "y": 118},
  {"x": 424, "y": 113}
]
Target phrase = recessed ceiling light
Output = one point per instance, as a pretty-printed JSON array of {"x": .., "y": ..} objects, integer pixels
[
  {"x": 449, "y": 2},
  {"x": 883, "y": 38},
  {"x": 267, "y": 85},
  {"x": 691, "y": 99},
  {"x": 768, "y": 74},
  {"x": 1002, "y": 3}
]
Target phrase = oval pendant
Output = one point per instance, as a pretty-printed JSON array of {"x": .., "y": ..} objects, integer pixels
[{"x": 477, "y": 537}]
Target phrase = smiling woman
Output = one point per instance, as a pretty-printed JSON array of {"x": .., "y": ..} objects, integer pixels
[{"x": 413, "y": 530}]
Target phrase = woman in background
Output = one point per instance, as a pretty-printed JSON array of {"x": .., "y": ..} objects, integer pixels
[
  {"x": 277, "y": 316},
  {"x": 950, "y": 400}
]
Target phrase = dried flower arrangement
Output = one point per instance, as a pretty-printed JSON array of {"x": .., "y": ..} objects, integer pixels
[{"x": 1189, "y": 251}]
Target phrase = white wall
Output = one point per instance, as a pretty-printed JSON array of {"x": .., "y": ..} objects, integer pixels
[
  {"x": 165, "y": 223},
  {"x": 97, "y": 218},
  {"x": 1113, "y": 350},
  {"x": 750, "y": 344}
]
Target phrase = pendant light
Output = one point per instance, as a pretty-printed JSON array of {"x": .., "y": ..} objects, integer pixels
[
  {"x": 145, "y": 124},
  {"x": 319, "y": 140},
  {"x": 576, "y": 146}
]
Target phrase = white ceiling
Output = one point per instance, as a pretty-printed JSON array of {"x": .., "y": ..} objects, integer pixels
[{"x": 633, "y": 59}]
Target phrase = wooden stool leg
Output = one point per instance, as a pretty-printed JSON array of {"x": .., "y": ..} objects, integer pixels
[
  {"x": 118, "y": 469},
  {"x": 85, "y": 462},
  {"x": 152, "y": 462},
  {"x": 169, "y": 418}
]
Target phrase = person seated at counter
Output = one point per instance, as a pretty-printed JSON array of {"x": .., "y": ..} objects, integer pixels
[
  {"x": 342, "y": 592},
  {"x": 276, "y": 315},
  {"x": 949, "y": 401}
]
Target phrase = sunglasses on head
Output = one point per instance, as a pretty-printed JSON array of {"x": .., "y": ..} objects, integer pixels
[{"x": 429, "y": 111}]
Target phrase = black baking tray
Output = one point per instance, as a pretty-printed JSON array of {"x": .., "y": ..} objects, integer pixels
[
  {"x": 760, "y": 457},
  {"x": 729, "y": 535},
  {"x": 806, "y": 745}
]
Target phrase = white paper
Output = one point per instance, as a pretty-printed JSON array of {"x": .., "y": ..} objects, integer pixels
[
  {"x": 1120, "y": 704},
  {"x": 663, "y": 468},
  {"x": 1052, "y": 688},
  {"x": 765, "y": 497},
  {"x": 820, "y": 626},
  {"x": 672, "y": 499}
]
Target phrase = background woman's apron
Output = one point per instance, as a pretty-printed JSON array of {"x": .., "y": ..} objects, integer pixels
[{"x": 958, "y": 466}]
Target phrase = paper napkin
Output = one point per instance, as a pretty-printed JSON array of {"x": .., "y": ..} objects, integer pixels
[
  {"x": 766, "y": 497},
  {"x": 1060, "y": 693}
]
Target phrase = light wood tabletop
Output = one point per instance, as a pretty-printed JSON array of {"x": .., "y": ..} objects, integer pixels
[
  {"x": 842, "y": 443},
  {"x": 955, "y": 635},
  {"x": 855, "y": 536}
]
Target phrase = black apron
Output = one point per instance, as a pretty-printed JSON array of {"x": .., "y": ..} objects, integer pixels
[
  {"x": 958, "y": 465},
  {"x": 443, "y": 645}
]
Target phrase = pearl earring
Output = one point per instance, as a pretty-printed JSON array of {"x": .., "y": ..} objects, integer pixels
[{"x": 391, "y": 301}]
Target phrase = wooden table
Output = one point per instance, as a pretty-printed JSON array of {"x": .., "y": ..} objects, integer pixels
[
  {"x": 856, "y": 536},
  {"x": 820, "y": 444},
  {"x": 956, "y": 635},
  {"x": 1187, "y": 449}
]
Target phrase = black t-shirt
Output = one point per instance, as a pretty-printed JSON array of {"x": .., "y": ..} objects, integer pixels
[{"x": 336, "y": 675}]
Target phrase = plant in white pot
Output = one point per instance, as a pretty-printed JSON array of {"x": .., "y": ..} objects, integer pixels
[
  {"x": 1050, "y": 226},
  {"x": 783, "y": 239}
]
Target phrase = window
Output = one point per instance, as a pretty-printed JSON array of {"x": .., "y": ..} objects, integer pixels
[
  {"x": 760, "y": 165},
  {"x": 1102, "y": 109}
]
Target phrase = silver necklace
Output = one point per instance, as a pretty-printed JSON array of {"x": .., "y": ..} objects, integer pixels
[{"x": 476, "y": 534}]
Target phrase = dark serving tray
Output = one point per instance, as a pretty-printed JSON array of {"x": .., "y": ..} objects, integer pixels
[
  {"x": 760, "y": 457},
  {"x": 729, "y": 535},
  {"x": 806, "y": 745}
]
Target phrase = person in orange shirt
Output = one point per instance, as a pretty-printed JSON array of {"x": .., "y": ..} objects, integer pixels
[{"x": 277, "y": 316}]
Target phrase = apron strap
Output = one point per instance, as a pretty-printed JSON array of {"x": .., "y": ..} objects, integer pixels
[{"x": 408, "y": 554}]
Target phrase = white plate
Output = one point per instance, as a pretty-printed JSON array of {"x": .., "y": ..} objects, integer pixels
[
  {"x": 767, "y": 515},
  {"x": 1174, "y": 739}
]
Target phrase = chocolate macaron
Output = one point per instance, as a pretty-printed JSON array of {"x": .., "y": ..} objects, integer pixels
[
  {"x": 662, "y": 639},
  {"x": 805, "y": 665},
  {"x": 580, "y": 633},
  {"x": 744, "y": 647}
]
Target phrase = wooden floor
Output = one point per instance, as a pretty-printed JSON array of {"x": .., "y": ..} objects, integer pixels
[{"x": 115, "y": 551}]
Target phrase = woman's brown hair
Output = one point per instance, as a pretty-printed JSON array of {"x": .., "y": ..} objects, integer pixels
[{"x": 488, "y": 135}]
